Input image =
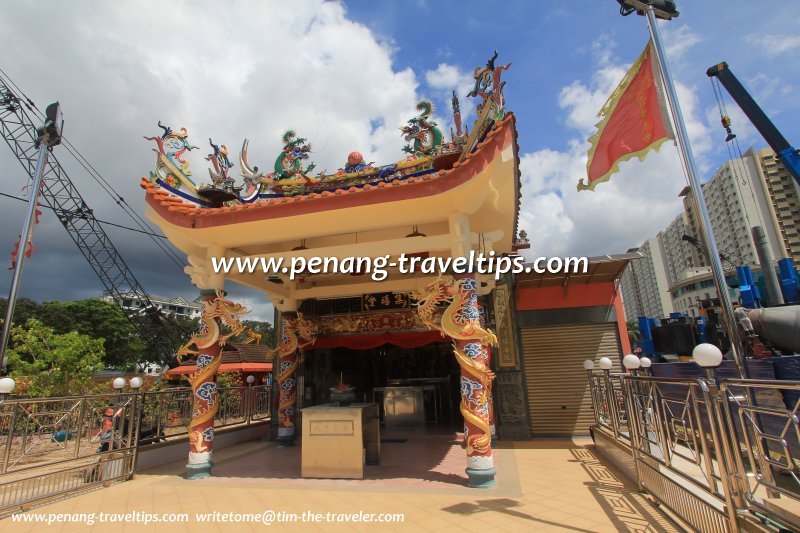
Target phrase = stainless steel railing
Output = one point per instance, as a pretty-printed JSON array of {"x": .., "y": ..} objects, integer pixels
[
  {"x": 715, "y": 453},
  {"x": 53, "y": 446}
]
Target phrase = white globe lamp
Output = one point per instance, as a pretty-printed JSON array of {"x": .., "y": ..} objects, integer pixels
[
  {"x": 6, "y": 387},
  {"x": 645, "y": 362},
  {"x": 707, "y": 355},
  {"x": 118, "y": 383},
  {"x": 136, "y": 382},
  {"x": 631, "y": 362},
  {"x": 251, "y": 379},
  {"x": 605, "y": 363},
  {"x": 588, "y": 365}
]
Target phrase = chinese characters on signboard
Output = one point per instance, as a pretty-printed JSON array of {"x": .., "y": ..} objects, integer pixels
[{"x": 380, "y": 301}]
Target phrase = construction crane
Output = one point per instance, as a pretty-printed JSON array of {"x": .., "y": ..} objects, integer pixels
[
  {"x": 787, "y": 154},
  {"x": 61, "y": 196}
]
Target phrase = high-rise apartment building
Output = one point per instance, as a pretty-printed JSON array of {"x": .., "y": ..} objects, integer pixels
[
  {"x": 784, "y": 198},
  {"x": 754, "y": 190},
  {"x": 678, "y": 253},
  {"x": 737, "y": 200},
  {"x": 644, "y": 284}
]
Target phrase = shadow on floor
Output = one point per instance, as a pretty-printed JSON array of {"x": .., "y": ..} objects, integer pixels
[
  {"x": 504, "y": 506},
  {"x": 625, "y": 506},
  {"x": 408, "y": 458}
]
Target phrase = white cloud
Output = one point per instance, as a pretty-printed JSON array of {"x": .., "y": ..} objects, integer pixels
[
  {"x": 774, "y": 45},
  {"x": 678, "y": 40},
  {"x": 583, "y": 103},
  {"x": 763, "y": 88},
  {"x": 245, "y": 69},
  {"x": 445, "y": 79}
]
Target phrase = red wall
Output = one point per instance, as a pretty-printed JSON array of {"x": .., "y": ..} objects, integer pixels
[{"x": 579, "y": 295}]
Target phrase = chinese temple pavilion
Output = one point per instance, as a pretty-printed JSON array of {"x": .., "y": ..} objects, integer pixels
[{"x": 449, "y": 335}]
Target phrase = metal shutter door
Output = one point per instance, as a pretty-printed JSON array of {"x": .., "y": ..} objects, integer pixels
[{"x": 558, "y": 391}]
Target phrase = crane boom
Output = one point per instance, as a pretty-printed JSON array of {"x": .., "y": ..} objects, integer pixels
[
  {"x": 787, "y": 154},
  {"x": 61, "y": 195}
]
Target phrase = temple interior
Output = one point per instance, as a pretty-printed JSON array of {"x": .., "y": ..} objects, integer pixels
[{"x": 430, "y": 372}]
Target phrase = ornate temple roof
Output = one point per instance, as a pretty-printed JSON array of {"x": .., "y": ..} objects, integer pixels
[
  {"x": 185, "y": 213},
  {"x": 432, "y": 166}
]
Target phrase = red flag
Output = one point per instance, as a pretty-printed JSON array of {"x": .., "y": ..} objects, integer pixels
[{"x": 634, "y": 122}]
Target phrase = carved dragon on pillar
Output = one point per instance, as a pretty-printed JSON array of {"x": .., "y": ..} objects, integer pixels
[
  {"x": 217, "y": 313},
  {"x": 296, "y": 334},
  {"x": 461, "y": 322}
]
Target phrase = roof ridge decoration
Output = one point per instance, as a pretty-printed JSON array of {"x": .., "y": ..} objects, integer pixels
[
  {"x": 171, "y": 168},
  {"x": 423, "y": 132},
  {"x": 290, "y": 179},
  {"x": 489, "y": 87}
]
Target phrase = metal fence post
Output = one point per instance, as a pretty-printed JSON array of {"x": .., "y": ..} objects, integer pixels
[
  {"x": 658, "y": 415},
  {"x": 633, "y": 426},
  {"x": 711, "y": 394},
  {"x": 10, "y": 438},
  {"x": 81, "y": 422},
  {"x": 611, "y": 401}
]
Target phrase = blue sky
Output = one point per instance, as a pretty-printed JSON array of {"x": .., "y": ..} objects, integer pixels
[
  {"x": 552, "y": 44},
  {"x": 347, "y": 75}
]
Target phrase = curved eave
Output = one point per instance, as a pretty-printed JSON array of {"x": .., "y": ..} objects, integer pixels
[{"x": 177, "y": 212}]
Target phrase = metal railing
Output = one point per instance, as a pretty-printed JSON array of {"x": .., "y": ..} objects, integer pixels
[
  {"x": 54, "y": 446},
  {"x": 715, "y": 454},
  {"x": 608, "y": 401}
]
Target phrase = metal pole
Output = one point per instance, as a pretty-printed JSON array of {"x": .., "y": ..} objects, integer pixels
[
  {"x": 27, "y": 230},
  {"x": 685, "y": 150}
]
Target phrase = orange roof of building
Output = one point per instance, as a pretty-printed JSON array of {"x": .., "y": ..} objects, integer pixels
[{"x": 224, "y": 367}]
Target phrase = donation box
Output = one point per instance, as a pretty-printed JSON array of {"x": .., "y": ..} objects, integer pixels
[{"x": 338, "y": 441}]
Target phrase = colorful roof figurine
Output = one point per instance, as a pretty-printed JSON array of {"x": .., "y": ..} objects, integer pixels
[
  {"x": 171, "y": 168},
  {"x": 222, "y": 188},
  {"x": 489, "y": 87},
  {"x": 355, "y": 165},
  {"x": 431, "y": 158},
  {"x": 422, "y": 132}
]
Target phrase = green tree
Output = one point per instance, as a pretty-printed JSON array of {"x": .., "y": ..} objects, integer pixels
[
  {"x": 46, "y": 363},
  {"x": 124, "y": 347},
  {"x": 25, "y": 309},
  {"x": 634, "y": 335}
]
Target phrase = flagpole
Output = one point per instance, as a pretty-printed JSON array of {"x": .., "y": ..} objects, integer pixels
[
  {"x": 685, "y": 150},
  {"x": 47, "y": 136}
]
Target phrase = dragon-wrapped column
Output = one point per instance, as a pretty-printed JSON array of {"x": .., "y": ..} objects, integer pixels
[
  {"x": 296, "y": 333},
  {"x": 204, "y": 388},
  {"x": 461, "y": 322},
  {"x": 471, "y": 344}
]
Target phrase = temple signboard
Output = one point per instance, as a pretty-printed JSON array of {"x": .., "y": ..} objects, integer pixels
[
  {"x": 507, "y": 354},
  {"x": 384, "y": 301}
]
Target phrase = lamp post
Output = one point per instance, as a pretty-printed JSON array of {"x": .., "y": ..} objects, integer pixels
[
  {"x": 118, "y": 384},
  {"x": 644, "y": 365},
  {"x": 605, "y": 365},
  {"x": 250, "y": 395},
  {"x": 6, "y": 387},
  {"x": 707, "y": 356},
  {"x": 138, "y": 408},
  {"x": 588, "y": 365}
]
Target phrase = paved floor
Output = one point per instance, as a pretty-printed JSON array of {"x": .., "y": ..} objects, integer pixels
[{"x": 543, "y": 485}]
